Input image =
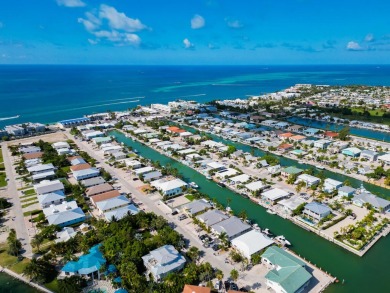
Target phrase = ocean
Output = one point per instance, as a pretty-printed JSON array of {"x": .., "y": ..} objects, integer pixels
[{"x": 42, "y": 93}]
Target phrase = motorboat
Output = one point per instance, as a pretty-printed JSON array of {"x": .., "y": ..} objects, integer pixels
[
  {"x": 301, "y": 162},
  {"x": 228, "y": 209},
  {"x": 208, "y": 177},
  {"x": 282, "y": 240},
  {"x": 320, "y": 167},
  {"x": 271, "y": 212},
  {"x": 194, "y": 185},
  {"x": 256, "y": 227},
  {"x": 267, "y": 232}
]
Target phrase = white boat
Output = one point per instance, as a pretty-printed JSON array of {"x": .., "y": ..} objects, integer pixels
[
  {"x": 267, "y": 232},
  {"x": 256, "y": 227},
  {"x": 301, "y": 162},
  {"x": 271, "y": 212},
  {"x": 320, "y": 167},
  {"x": 193, "y": 185},
  {"x": 208, "y": 177},
  {"x": 135, "y": 151},
  {"x": 282, "y": 240},
  {"x": 228, "y": 209}
]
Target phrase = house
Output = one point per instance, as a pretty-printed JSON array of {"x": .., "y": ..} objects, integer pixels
[
  {"x": 92, "y": 134},
  {"x": 175, "y": 130},
  {"x": 170, "y": 188},
  {"x": 163, "y": 261},
  {"x": 322, "y": 144},
  {"x": 308, "y": 179},
  {"x": 47, "y": 186},
  {"x": 92, "y": 181},
  {"x": 197, "y": 206},
  {"x": 30, "y": 150},
  {"x": 65, "y": 234},
  {"x": 331, "y": 134},
  {"x": 144, "y": 170},
  {"x": 104, "y": 196},
  {"x": 311, "y": 131},
  {"x": 250, "y": 243},
  {"x": 351, "y": 152},
  {"x": 80, "y": 167},
  {"x": 226, "y": 173},
  {"x": 133, "y": 164},
  {"x": 316, "y": 211},
  {"x": 154, "y": 175},
  {"x": 41, "y": 168},
  {"x": 112, "y": 203},
  {"x": 345, "y": 191},
  {"x": 73, "y": 122},
  {"x": 281, "y": 125},
  {"x": 121, "y": 212},
  {"x": 297, "y": 138},
  {"x": 98, "y": 189},
  {"x": 60, "y": 145},
  {"x": 385, "y": 159},
  {"x": 378, "y": 203},
  {"x": 232, "y": 226},
  {"x": 285, "y": 136},
  {"x": 291, "y": 170},
  {"x": 369, "y": 155},
  {"x": 195, "y": 289},
  {"x": 290, "y": 204},
  {"x": 51, "y": 198},
  {"x": 331, "y": 185},
  {"x": 255, "y": 186},
  {"x": 212, "y": 217},
  {"x": 76, "y": 161},
  {"x": 239, "y": 179},
  {"x": 275, "y": 194},
  {"x": 88, "y": 265},
  {"x": 86, "y": 174},
  {"x": 285, "y": 147},
  {"x": 55, "y": 209},
  {"x": 295, "y": 128},
  {"x": 67, "y": 217},
  {"x": 287, "y": 273},
  {"x": 101, "y": 140},
  {"x": 119, "y": 155},
  {"x": 338, "y": 146},
  {"x": 33, "y": 156}
]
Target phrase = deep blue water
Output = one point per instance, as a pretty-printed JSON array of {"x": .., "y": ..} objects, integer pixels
[{"x": 41, "y": 93}]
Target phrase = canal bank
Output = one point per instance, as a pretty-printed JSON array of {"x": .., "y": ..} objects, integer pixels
[
  {"x": 359, "y": 274},
  {"x": 9, "y": 284},
  {"x": 380, "y": 191}
]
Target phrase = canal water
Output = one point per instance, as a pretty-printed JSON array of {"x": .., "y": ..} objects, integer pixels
[
  {"x": 366, "y": 274},
  {"x": 363, "y": 132},
  {"x": 380, "y": 191},
  {"x": 9, "y": 284}
]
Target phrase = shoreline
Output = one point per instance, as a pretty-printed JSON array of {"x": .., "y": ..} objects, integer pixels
[{"x": 382, "y": 233}]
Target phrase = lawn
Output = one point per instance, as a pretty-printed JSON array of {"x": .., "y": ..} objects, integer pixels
[
  {"x": 1, "y": 156},
  {"x": 29, "y": 199},
  {"x": 34, "y": 212},
  {"x": 29, "y": 204},
  {"x": 30, "y": 191},
  {"x": 189, "y": 197},
  {"x": 11, "y": 262},
  {"x": 53, "y": 285},
  {"x": 378, "y": 112},
  {"x": 2, "y": 179},
  {"x": 30, "y": 195}
]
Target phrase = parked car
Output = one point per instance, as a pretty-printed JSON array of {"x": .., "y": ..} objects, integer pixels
[
  {"x": 215, "y": 247},
  {"x": 244, "y": 289},
  {"x": 175, "y": 212},
  {"x": 182, "y": 217},
  {"x": 135, "y": 179},
  {"x": 227, "y": 285},
  {"x": 233, "y": 286}
]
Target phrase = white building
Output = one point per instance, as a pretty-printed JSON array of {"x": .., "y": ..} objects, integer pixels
[
  {"x": 170, "y": 188},
  {"x": 250, "y": 243}
]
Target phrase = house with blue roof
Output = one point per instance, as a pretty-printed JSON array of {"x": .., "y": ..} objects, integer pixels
[
  {"x": 74, "y": 122},
  {"x": 88, "y": 265},
  {"x": 121, "y": 212},
  {"x": 316, "y": 211},
  {"x": 310, "y": 131},
  {"x": 287, "y": 273},
  {"x": 351, "y": 152}
]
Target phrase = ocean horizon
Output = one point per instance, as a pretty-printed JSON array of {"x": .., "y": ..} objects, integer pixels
[{"x": 49, "y": 93}]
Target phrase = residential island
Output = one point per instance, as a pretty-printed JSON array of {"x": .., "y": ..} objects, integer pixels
[{"x": 183, "y": 197}]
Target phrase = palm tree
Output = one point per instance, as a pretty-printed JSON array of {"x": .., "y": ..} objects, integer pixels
[
  {"x": 39, "y": 270},
  {"x": 234, "y": 275},
  {"x": 223, "y": 237},
  {"x": 37, "y": 241}
]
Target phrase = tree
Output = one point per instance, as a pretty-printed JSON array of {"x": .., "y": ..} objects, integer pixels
[
  {"x": 193, "y": 253},
  {"x": 37, "y": 241},
  {"x": 72, "y": 284},
  {"x": 234, "y": 275},
  {"x": 344, "y": 133},
  {"x": 243, "y": 215},
  {"x": 14, "y": 244},
  {"x": 223, "y": 237},
  {"x": 39, "y": 270}
]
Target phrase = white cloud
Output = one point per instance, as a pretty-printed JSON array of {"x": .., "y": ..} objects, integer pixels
[
  {"x": 234, "y": 24},
  {"x": 119, "y": 38},
  {"x": 71, "y": 3},
  {"x": 187, "y": 44},
  {"x": 197, "y": 22},
  {"x": 92, "y": 42},
  {"x": 119, "y": 20},
  {"x": 354, "y": 46},
  {"x": 91, "y": 23},
  {"x": 369, "y": 38}
]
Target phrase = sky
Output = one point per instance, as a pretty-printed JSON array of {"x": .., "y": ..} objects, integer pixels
[{"x": 195, "y": 32}]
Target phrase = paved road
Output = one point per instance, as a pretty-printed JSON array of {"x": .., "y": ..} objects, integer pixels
[
  {"x": 16, "y": 210},
  {"x": 154, "y": 206}
]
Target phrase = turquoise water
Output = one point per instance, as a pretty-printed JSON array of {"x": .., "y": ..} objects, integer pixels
[
  {"x": 360, "y": 274},
  {"x": 9, "y": 284},
  {"x": 43, "y": 93}
]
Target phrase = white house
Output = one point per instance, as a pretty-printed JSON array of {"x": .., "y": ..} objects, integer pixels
[
  {"x": 86, "y": 174},
  {"x": 330, "y": 185},
  {"x": 250, "y": 243},
  {"x": 170, "y": 188},
  {"x": 275, "y": 194},
  {"x": 308, "y": 179},
  {"x": 316, "y": 211}
]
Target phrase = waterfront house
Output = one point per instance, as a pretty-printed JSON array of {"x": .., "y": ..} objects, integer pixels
[
  {"x": 133, "y": 164},
  {"x": 331, "y": 185},
  {"x": 295, "y": 128},
  {"x": 291, "y": 170},
  {"x": 308, "y": 179},
  {"x": 89, "y": 134},
  {"x": 240, "y": 179},
  {"x": 65, "y": 234},
  {"x": 197, "y": 206},
  {"x": 311, "y": 131},
  {"x": 119, "y": 156},
  {"x": 290, "y": 204},
  {"x": 250, "y": 243},
  {"x": 255, "y": 186},
  {"x": 104, "y": 196},
  {"x": 51, "y": 198},
  {"x": 351, "y": 152},
  {"x": 369, "y": 155},
  {"x": 92, "y": 181},
  {"x": 233, "y": 227},
  {"x": 144, "y": 170},
  {"x": 285, "y": 147},
  {"x": 112, "y": 203},
  {"x": 88, "y": 265},
  {"x": 345, "y": 191},
  {"x": 316, "y": 211},
  {"x": 154, "y": 175},
  {"x": 47, "y": 186},
  {"x": 163, "y": 261},
  {"x": 322, "y": 144},
  {"x": 385, "y": 158},
  {"x": 98, "y": 189},
  {"x": 378, "y": 203},
  {"x": 275, "y": 194},
  {"x": 169, "y": 188},
  {"x": 212, "y": 217},
  {"x": 121, "y": 212},
  {"x": 287, "y": 273},
  {"x": 85, "y": 174},
  {"x": 226, "y": 173},
  {"x": 281, "y": 125},
  {"x": 101, "y": 140},
  {"x": 73, "y": 122},
  {"x": 331, "y": 134}
]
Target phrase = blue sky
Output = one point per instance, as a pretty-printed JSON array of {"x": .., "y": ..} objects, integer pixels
[{"x": 195, "y": 32}]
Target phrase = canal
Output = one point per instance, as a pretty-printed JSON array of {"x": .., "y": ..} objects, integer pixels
[
  {"x": 363, "y": 132},
  {"x": 366, "y": 274},
  {"x": 380, "y": 191}
]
